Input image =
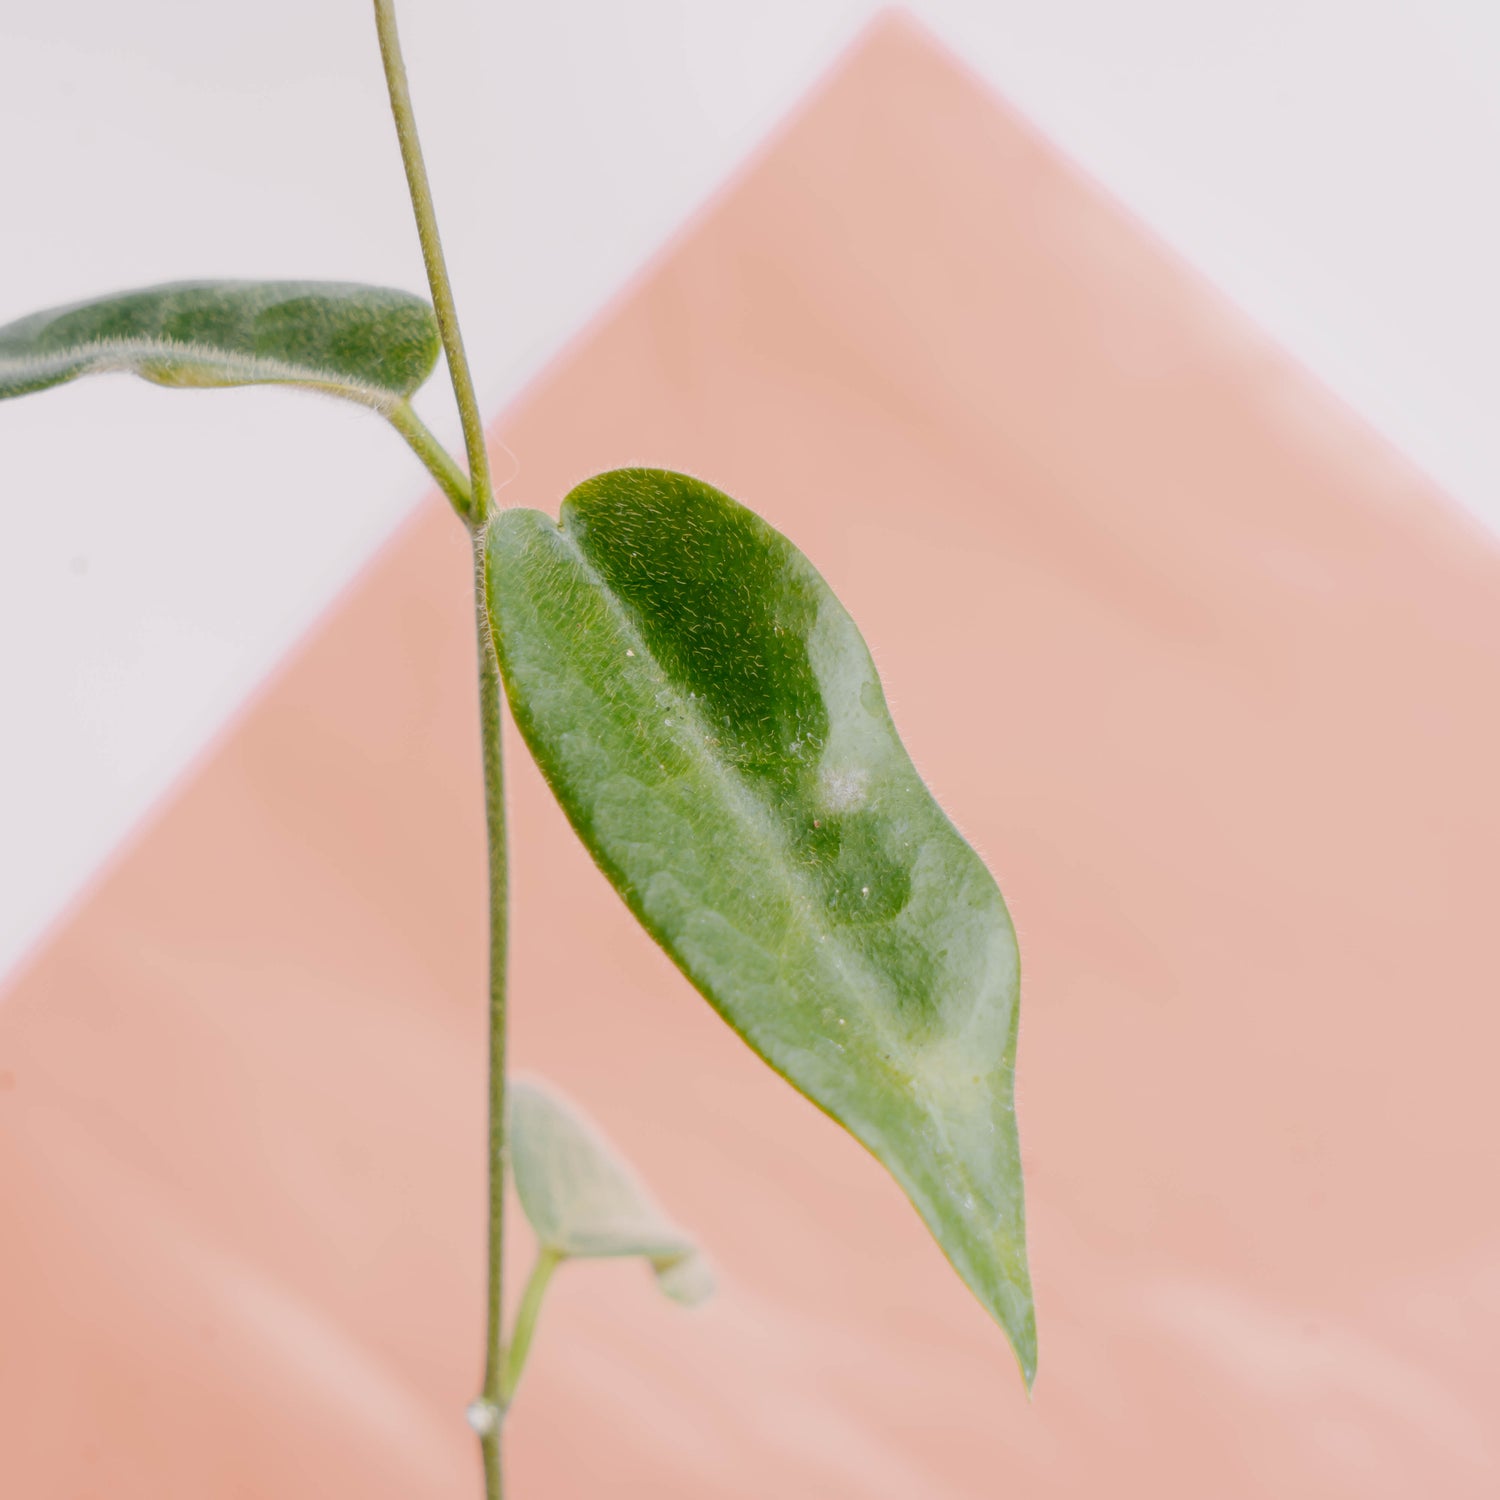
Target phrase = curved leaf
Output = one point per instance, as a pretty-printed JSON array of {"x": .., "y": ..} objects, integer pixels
[
  {"x": 369, "y": 344},
  {"x": 709, "y": 717},
  {"x": 584, "y": 1202}
]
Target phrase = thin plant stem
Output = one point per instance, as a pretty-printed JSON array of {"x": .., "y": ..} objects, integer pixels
[
  {"x": 491, "y": 1399},
  {"x": 486, "y": 1412},
  {"x": 432, "y": 257},
  {"x": 451, "y": 479},
  {"x": 547, "y": 1261}
]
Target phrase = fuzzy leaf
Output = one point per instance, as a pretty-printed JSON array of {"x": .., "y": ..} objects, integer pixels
[
  {"x": 709, "y": 718},
  {"x": 584, "y": 1202},
  {"x": 369, "y": 344}
]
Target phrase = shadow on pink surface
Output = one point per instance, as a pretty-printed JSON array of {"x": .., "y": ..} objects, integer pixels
[{"x": 1205, "y": 672}]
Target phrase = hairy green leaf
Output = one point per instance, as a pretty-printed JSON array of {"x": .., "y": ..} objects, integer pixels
[
  {"x": 368, "y": 344},
  {"x": 709, "y": 717},
  {"x": 585, "y": 1203}
]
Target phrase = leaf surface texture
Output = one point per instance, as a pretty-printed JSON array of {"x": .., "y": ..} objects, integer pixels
[
  {"x": 369, "y": 344},
  {"x": 711, "y": 721}
]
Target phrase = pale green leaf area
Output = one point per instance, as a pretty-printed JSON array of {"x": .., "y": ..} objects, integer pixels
[
  {"x": 368, "y": 344},
  {"x": 711, "y": 721},
  {"x": 585, "y": 1202}
]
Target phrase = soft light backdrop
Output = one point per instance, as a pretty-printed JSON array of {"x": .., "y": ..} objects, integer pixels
[{"x": 1329, "y": 163}]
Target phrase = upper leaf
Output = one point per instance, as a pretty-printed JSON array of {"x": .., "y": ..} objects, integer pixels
[
  {"x": 582, "y": 1199},
  {"x": 369, "y": 344},
  {"x": 709, "y": 717}
]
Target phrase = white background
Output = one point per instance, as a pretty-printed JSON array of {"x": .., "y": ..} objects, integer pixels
[{"x": 1334, "y": 165}]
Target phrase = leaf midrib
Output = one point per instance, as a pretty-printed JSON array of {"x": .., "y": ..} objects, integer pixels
[
  {"x": 802, "y": 898},
  {"x": 105, "y": 356},
  {"x": 800, "y": 892},
  {"x": 940, "y": 1197}
]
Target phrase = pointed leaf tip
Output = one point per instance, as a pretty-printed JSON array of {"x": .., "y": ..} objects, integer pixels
[{"x": 710, "y": 719}]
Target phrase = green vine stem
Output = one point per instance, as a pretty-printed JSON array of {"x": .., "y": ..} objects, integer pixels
[
  {"x": 476, "y": 502},
  {"x": 451, "y": 479},
  {"x": 547, "y": 1261},
  {"x": 432, "y": 258},
  {"x": 492, "y": 1396}
]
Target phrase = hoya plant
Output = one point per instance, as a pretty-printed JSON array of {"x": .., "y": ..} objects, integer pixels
[{"x": 709, "y": 718}]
